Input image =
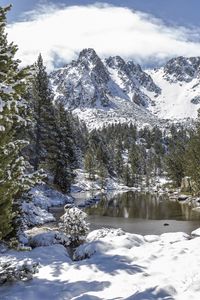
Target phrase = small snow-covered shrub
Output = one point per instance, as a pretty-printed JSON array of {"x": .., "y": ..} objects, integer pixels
[
  {"x": 73, "y": 223},
  {"x": 17, "y": 270}
]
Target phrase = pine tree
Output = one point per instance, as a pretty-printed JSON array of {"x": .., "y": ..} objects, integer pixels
[
  {"x": 175, "y": 159},
  {"x": 127, "y": 176},
  {"x": 13, "y": 176},
  {"x": 192, "y": 157},
  {"x": 118, "y": 161},
  {"x": 52, "y": 142},
  {"x": 90, "y": 163},
  {"x": 62, "y": 157},
  {"x": 102, "y": 173},
  {"x": 44, "y": 115}
]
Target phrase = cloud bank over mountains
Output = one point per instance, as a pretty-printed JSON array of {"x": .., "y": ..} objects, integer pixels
[{"x": 60, "y": 33}]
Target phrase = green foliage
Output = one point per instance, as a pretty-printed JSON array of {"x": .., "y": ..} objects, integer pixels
[
  {"x": 74, "y": 224},
  {"x": 192, "y": 158},
  {"x": 52, "y": 145},
  {"x": 127, "y": 178},
  {"x": 89, "y": 164},
  {"x": 175, "y": 159},
  {"x": 124, "y": 151},
  {"x": 62, "y": 158},
  {"x": 42, "y": 133},
  {"x": 13, "y": 118}
]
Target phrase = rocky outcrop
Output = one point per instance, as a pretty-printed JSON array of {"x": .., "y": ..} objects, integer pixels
[
  {"x": 91, "y": 82},
  {"x": 187, "y": 185},
  {"x": 112, "y": 90},
  {"x": 182, "y": 68}
]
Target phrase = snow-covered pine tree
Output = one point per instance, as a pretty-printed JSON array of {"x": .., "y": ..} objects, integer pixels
[
  {"x": 90, "y": 163},
  {"x": 74, "y": 224},
  {"x": 43, "y": 115},
  {"x": 13, "y": 177},
  {"x": 52, "y": 145},
  {"x": 62, "y": 156}
]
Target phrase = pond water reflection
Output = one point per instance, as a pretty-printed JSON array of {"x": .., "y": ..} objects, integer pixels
[{"x": 143, "y": 213}]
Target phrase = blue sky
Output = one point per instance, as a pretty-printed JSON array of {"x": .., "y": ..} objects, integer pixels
[
  {"x": 147, "y": 31},
  {"x": 182, "y": 12}
]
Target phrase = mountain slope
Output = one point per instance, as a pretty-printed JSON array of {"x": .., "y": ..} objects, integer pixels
[
  {"x": 111, "y": 90},
  {"x": 179, "y": 81}
]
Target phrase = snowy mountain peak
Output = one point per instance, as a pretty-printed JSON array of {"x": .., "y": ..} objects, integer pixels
[
  {"x": 114, "y": 90},
  {"x": 132, "y": 74},
  {"x": 179, "y": 81},
  {"x": 115, "y": 62},
  {"x": 91, "y": 82},
  {"x": 182, "y": 69},
  {"x": 90, "y": 60},
  {"x": 88, "y": 54},
  {"x": 83, "y": 83}
]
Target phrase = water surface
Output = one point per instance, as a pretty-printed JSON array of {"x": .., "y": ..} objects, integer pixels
[{"x": 143, "y": 213}]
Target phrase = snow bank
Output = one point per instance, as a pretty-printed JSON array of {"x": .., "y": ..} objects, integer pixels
[
  {"x": 48, "y": 239},
  {"x": 103, "y": 240},
  {"x": 45, "y": 197},
  {"x": 82, "y": 183},
  {"x": 34, "y": 215},
  {"x": 196, "y": 232},
  {"x": 37, "y": 202},
  {"x": 116, "y": 265}
]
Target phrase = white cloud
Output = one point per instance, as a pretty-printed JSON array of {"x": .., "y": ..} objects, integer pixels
[{"x": 64, "y": 31}]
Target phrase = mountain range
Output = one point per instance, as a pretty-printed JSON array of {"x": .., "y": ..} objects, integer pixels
[{"x": 112, "y": 90}]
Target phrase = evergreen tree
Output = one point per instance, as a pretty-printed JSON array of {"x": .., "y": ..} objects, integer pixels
[
  {"x": 62, "y": 157},
  {"x": 127, "y": 176},
  {"x": 102, "y": 173},
  {"x": 118, "y": 161},
  {"x": 42, "y": 133},
  {"x": 89, "y": 163},
  {"x": 13, "y": 177},
  {"x": 52, "y": 144},
  {"x": 175, "y": 159},
  {"x": 192, "y": 157}
]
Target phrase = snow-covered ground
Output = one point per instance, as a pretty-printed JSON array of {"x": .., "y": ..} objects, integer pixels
[
  {"x": 83, "y": 183},
  {"x": 36, "y": 203},
  {"x": 119, "y": 265},
  {"x": 177, "y": 99}
]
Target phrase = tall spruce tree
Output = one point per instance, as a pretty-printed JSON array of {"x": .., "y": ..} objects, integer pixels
[
  {"x": 62, "y": 156},
  {"x": 192, "y": 157},
  {"x": 43, "y": 116},
  {"x": 13, "y": 176},
  {"x": 175, "y": 158},
  {"x": 52, "y": 144}
]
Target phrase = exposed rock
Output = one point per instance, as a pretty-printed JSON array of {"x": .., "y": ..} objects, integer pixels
[
  {"x": 187, "y": 186},
  {"x": 182, "y": 69},
  {"x": 182, "y": 197},
  {"x": 113, "y": 87},
  {"x": 110, "y": 91},
  {"x": 196, "y": 232},
  {"x": 196, "y": 100}
]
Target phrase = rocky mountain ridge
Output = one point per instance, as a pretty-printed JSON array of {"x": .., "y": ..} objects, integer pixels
[{"x": 113, "y": 90}]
